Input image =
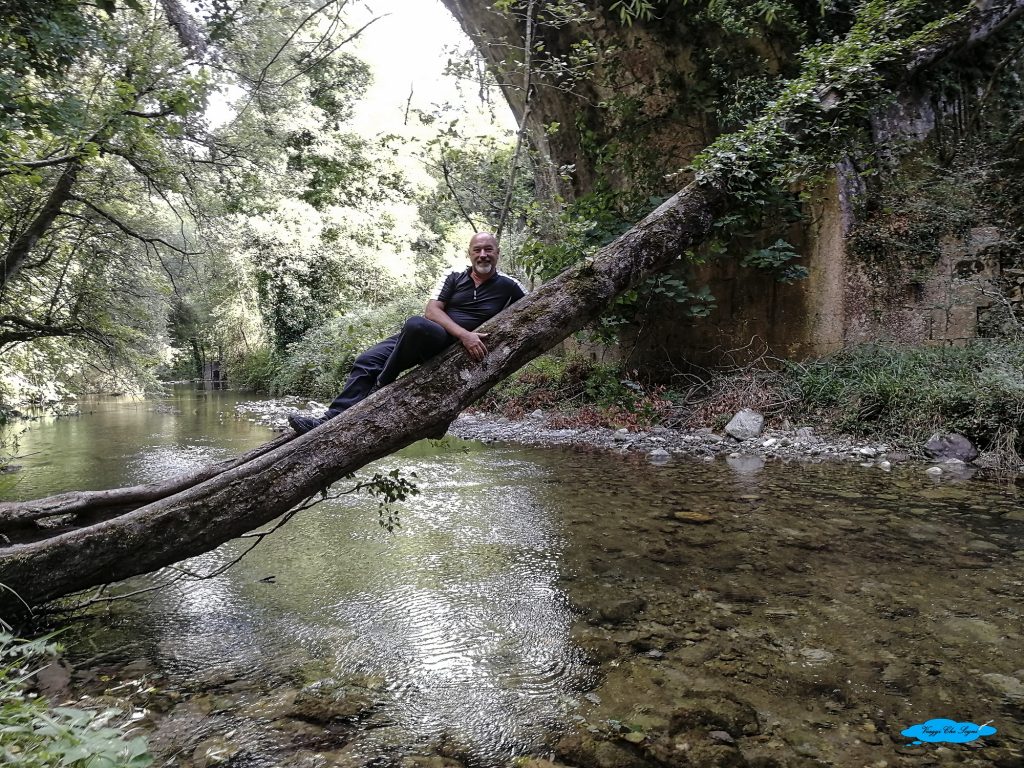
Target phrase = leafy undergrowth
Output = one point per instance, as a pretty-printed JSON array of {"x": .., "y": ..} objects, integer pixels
[
  {"x": 905, "y": 394},
  {"x": 578, "y": 393},
  {"x": 896, "y": 394},
  {"x": 36, "y": 735}
]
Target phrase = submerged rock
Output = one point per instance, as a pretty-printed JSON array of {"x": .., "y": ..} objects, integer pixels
[
  {"x": 717, "y": 711},
  {"x": 692, "y": 518},
  {"x": 216, "y": 750},
  {"x": 589, "y": 750},
  {"x": 1008, "y": 686},
  {"x": 329, "y": 700},
  {"x": 621, "y": 611}
]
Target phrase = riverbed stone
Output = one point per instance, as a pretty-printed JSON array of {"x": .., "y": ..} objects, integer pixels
[
  {"x": 714, "y": 710},
  {"x": 692, "y": 518},
  {"x": 972, "y": 630},
  {"x": 950, "y": 446},
  {"x": 329, "y": 700},
  {"x": 1005, "y": 685},
  {"x": 589, "y": 750},
  {"x": 745, "y": 425},
  {"x": 216, "y": 750},
  {"x": 621, "y": 611},
  {"x": 595, "y": 643},
  {"x": 429, "y": 761},
  {"x": 694, "y": 750},
  {"x": 659, "y": 456}
]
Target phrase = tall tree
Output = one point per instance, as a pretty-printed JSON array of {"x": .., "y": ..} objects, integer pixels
[{"x": 120, "y": 165}]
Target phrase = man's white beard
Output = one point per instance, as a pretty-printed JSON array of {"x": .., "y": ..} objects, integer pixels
[{"x": 484, "y": 269}]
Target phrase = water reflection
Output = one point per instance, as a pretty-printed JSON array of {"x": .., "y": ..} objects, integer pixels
[
  {"x": 831, "y": 597},
  {"x": 457, "y": 622}
]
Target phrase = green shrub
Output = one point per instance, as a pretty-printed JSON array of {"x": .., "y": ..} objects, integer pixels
[
  {"x": 907, "y": 393},
  {"x": 580, "y": 391},
  {"x": 35, "y": 735},
  {"x": 318, "y": 363},
  {"x": 254, "y": 370}
]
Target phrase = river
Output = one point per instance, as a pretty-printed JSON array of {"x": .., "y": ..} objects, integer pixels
[{"x": 583, "y": 606}]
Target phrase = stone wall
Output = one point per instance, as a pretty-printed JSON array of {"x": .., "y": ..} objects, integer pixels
[{"x": 666, "y": 103}]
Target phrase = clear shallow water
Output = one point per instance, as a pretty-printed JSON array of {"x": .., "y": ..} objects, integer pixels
[
  {"x": 456, "y": 622},
  {"x": 843, "y": 603}
]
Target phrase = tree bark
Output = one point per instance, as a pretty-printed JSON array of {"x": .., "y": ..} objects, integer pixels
[
  {"x": 20, "y": 248},
  {"x": 97, "y": 505},
  {"x": 189, "y": 34},
  {"x": 200, "y": 517}
]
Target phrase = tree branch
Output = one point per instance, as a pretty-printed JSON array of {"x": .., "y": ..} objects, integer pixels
[
  {"x": 129, "y": 231},
  {"x": 189, "y": 35},
  {"x": 19, "y": 250},
  {"x": 455, "y": 194}
]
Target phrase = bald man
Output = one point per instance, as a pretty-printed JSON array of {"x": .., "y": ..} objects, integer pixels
[{"x": 463, "y": 301}]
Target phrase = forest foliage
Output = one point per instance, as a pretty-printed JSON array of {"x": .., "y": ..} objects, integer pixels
[{"x": 178, "y": 188}]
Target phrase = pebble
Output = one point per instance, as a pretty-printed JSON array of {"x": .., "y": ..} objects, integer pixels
[
  {"x": 693, "y": 518},
  {"x": 935, "y": 471}
]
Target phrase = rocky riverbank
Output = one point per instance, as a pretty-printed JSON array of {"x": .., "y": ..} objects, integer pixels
[{"x": 745, "y": 441}]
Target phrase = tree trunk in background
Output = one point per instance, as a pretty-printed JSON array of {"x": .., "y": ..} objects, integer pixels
[{"x": 250, "y": 494}]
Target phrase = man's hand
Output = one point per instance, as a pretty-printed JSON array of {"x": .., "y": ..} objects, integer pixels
[{"x": 474, "y": 344}]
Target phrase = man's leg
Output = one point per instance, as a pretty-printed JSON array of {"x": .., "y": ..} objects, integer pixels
[
  {"x": 363, "y": 377},
  {"x": 419, "y": 341}
]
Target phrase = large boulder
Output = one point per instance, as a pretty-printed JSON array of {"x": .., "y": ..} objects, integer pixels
[
  {"x": 950, "y": 446},
  {"x": 745, "y": 425}
]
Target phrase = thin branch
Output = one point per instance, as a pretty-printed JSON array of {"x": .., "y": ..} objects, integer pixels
[
  {"x": 455, "y": 194},
  {"x": 333, "y": 50},
  {"x": 150, "y": 115},
  {"x": 131, "y": 232},
  {"x": 39, "y": 163}
]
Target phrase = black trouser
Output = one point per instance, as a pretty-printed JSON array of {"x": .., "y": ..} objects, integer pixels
[{"x": 381, "y": 364}]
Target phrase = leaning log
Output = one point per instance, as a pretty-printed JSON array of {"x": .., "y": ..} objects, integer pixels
[
  {"x": 203, "y": 516},
  {"x": 15, "y": 516}
]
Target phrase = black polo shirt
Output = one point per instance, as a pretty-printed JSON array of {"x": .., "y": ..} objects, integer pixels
[{"x": 469, "y": 305}]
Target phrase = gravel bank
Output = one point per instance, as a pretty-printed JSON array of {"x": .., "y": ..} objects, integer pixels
[{"x": 660, "y": 444}]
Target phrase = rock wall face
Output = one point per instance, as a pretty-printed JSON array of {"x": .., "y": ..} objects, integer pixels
[{"x": 647, "y": 107}]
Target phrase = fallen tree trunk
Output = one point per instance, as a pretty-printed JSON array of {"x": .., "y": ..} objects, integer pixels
[
  {"x": 202, "y": 516},
  {"x": 99, "y": 505}
]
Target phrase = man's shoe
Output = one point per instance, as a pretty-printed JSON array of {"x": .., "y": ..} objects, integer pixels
[{"x": 302, "y": 424}]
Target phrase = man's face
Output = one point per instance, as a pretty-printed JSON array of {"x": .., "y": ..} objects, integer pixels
[{"x": 483, "y": 254}]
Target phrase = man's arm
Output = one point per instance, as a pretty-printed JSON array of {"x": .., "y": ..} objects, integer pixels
[{"x": 472, "y": 341}]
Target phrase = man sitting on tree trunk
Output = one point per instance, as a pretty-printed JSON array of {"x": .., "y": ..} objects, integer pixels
[{"x": 465, "y": 300}]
